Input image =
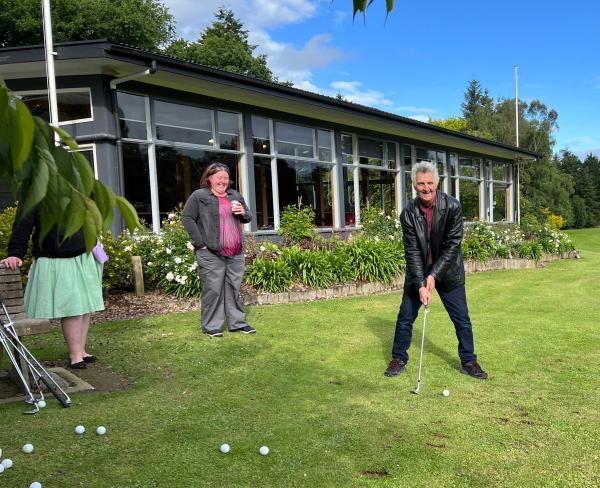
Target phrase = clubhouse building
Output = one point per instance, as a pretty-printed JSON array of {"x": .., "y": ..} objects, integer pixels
[{"x": 150, "y": 124}]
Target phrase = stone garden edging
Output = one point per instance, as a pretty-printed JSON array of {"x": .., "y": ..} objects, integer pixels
[{"x": 361, "y": 289}]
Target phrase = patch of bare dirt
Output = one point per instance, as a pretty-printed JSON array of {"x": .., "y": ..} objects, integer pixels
[{"x": 126, "y": 305}]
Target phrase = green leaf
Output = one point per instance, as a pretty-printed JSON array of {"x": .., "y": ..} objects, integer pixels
[
  {"x": 37, "y": 186},
  {"x": 20, "y": 132},
  {"x": 359, "y": 6},
  {"x": 105, "y": 200},
  {"x": 92, "y": 224},
  {"x": 85, "y": 172},
  {"x": 76, "y": 212},
  {"x": 128, "y": 212},
  {"x": 66, "y": 138},
  {"x": 50, "y": 211},
  {"x": 3, "y": 107}
]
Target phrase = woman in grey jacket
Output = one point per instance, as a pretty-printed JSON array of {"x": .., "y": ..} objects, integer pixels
[{"x": 213, "y": 216}]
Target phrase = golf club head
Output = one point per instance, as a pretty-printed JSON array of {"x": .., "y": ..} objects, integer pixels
[{"x": 417, "y": 389}]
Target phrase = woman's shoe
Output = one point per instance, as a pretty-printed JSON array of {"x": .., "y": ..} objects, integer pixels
[
  {"x": 79, "y": 365},
  {"x": 90, "y": 359}
]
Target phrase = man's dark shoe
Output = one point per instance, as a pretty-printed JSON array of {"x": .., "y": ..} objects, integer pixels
[
  {"x": 213, "y": 333},
  {"x": 245, "y": 330},
  {"x": 395, "y": 367},
  {"x": 473, "y": 369}
]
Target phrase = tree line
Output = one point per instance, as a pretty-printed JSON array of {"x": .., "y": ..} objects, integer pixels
[{"x": 557, "y": 184}]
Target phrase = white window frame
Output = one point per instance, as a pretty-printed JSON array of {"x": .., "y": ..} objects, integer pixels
[{"x": 64, "y": 90}]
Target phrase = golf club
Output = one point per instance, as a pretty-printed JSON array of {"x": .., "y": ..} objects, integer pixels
[{"x": 418, "y": 388}]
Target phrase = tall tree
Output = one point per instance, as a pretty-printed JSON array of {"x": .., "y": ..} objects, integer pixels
[
  {"x": 142, "y": 23},
  {"x": 224, "y": 45}
]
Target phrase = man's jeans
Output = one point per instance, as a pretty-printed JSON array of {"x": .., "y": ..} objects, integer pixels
[{"x": 455, "y": 303}]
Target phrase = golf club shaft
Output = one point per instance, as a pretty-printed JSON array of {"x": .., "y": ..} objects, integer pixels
[{"x": 421, "y": 352}]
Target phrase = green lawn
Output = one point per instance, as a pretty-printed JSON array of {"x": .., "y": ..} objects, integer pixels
[{"x": 310, "y": 385}]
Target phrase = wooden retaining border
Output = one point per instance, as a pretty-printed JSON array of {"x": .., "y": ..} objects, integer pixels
[{"x": 361, "y": 289}]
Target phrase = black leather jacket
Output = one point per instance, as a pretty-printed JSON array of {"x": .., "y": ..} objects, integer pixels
[
  {"x": 200, "y": 217},
  {"x": 446, "y": 237}
]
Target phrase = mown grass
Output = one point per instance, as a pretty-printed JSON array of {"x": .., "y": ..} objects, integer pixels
[{"x": 310, "y": 385}]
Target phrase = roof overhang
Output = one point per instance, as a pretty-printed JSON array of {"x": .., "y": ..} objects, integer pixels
[{"x": 114, "y": 60}]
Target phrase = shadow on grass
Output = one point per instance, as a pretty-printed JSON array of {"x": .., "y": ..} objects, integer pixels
[{"x": 384, "y": 331}]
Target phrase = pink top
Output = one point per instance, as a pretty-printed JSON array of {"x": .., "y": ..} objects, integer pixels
[{"x": 231, "y": 239}]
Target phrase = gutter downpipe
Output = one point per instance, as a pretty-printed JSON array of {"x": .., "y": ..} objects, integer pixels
[{"x": 148, "y": 71}]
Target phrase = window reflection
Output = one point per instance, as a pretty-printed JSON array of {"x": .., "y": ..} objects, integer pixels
[
  {"x": 501, "y": 195},
  {"x": 261, "y": 138},
  {"x": 370, "y": 152},
  {"x": 263, "y": 189},
  {"x": 72, "y": 105},
  {"x": 137, "y": 178},
  {"x": 377, "y": 188},
  {"x": 469, "y": 199},
  {"x": 294, "y": 140},
  {"x": 309, "y": 184},
  {"x": 229, "y": 130},
  {"x": 179, "y": 171},
  {"x": 132, "y": 116},
  {"x": 183, "y": 123}
]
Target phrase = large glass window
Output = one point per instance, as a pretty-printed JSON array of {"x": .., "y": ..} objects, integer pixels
[
  {"x": 183, "y": 123},
  {"x": 74, "y": 105},
  {"x": 306, "y": 183},
  {"x": 137, "y": 178},
  {"x": 349, "y": 197},
  {"x": 500, "y": 195},
  {"x": 132, "y": 116},
  {"x": 377, "y": 188},
  {"x": 261, "y": 137},
  {"x": 469, "y": 199},
  {"x": 370, "y": 152},
  {"x": 468, "y": 167},
  {"x": 294, "y": 140},
  {"x": 390, "y": 155},
  {"x": 347, "y": 150},
  {"x": 179, "y": 170},
  {"x": 263, "y": 189},
  {"x": 324, "y": 145},
  {"x": 229, "y": 130}
]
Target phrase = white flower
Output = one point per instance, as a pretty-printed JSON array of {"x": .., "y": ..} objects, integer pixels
[
  {"x": 171, "y": 216},
  {"x": 391, "y": 237},
  {"x": 262, "y": 248},
  {"x": 149, "y": 263},
  {"x": 177, "y": 260},
  {"x": 376, "y": 239},
  {"x": 190, "y": 246},
  {"x": 127, "y": 248},
  {"x": 168, "y": 250},
  {"x": 193, "y": 267},
  {"x": 381, "y": 212},
  {"x": 170, "y": 276}
]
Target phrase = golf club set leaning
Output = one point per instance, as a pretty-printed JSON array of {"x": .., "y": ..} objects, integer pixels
[{"x": 17, "y": 352}]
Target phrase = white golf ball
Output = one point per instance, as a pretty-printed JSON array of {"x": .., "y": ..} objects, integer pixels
[
  {"x": 264, "y": 450},
  {"x": 80, "y": 429},
  {"x": 1, "y": 468},
  {"x": 225, "y": 448},
  {"x": 41, "y": 404},
  {"x": 7, "y": 463},
  {"x": 35, "y": 484},
  {"x": 27, "y": 448},
  {"x": 446, "y": 393},
  {"x": 101, "y": 430}
]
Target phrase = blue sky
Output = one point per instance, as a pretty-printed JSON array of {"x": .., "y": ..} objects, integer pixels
[{"x": 419, "y": 62}]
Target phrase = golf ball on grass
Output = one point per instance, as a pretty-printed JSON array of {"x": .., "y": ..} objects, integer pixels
[
  {"x": 101, "y": 430},
  {"x": 27, "y": 448},
  {"x": 7, "y": 463},
  {"x": 446, "y": 392},
  {"x": 35, "y": 484},
  {"x": 264, "y": 450},
  {"x": 1, "y": 468},
  {"x": 80, "y": 429},
  {"x": 225, "y": 448},
  {"x": 41, "y": 404}
]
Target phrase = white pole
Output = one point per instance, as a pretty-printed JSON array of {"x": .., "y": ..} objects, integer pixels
[
  {"x": 518, "y": 193},
  {"x": 50, "y": 75},
  {"x": 517, "y": 103}
]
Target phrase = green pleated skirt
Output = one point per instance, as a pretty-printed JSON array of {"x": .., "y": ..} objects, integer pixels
[{"x": 64, "y": 287}]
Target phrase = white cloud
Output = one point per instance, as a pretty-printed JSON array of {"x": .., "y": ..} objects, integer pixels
[
  {"x": 193, "y": 16},
  {"x": 354, "y": 92}
]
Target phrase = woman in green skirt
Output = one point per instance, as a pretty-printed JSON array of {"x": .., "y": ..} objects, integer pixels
[{"x": 65, "y": 282}]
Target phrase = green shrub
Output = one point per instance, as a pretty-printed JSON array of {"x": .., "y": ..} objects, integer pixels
[
  {"x": 474, "y": 250},
  {"x": 315, "y": 270},
  {"x": 297, "y": 223},
  {"x": 118, "y": 270},
  {"x": 7, "y": 218},
  {"x": 341, "y": 265},
  {"x": 375, "y": 260},
  {"x": 273, "y": 276},
  {"x": 530, "y": 250},
  {"x": 375, "y": 223}
]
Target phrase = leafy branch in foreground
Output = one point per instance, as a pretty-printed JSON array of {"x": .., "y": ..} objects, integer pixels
[{"x": 56, "y": 179}]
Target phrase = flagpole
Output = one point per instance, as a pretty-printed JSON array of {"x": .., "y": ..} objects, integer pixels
[
  {"x": 50, "y": 73},
  {"x": 517, "y": 142}
]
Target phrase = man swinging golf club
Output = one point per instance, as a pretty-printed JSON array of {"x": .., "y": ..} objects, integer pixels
[{"x": 432, "y": 226}]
